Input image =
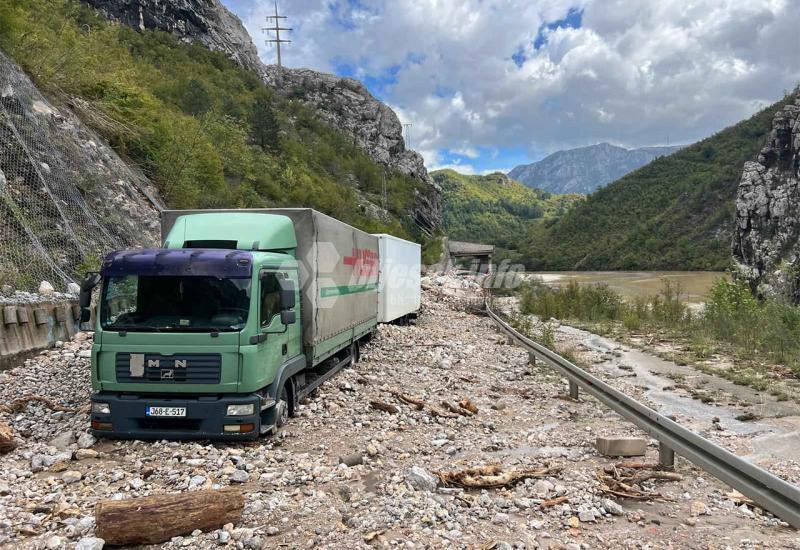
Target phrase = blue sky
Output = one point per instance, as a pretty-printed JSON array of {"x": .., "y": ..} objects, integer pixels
[{"x": 489, "y": 84}]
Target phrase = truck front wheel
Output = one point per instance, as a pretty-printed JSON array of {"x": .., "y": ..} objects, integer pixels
[{"x": 282, "y": 408}]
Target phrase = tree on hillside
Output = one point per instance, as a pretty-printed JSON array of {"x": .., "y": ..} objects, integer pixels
[
  {"x": 265, "y": 125},
  {"x": 196, "y": 100}
]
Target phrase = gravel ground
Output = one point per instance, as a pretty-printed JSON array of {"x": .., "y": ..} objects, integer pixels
[{"x": 299, "y": 495}]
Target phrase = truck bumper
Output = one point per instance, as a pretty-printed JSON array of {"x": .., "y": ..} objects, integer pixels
[{"x": 206, "y": 417}]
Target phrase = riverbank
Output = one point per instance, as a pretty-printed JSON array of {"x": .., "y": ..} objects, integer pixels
[
  {"x": 732, "y": 335},
  {"x": 299, "y": 494},
  {"x": 695, "y": 285}
]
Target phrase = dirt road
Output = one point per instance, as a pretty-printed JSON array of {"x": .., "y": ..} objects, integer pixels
[{"x": 300, "y": 496}]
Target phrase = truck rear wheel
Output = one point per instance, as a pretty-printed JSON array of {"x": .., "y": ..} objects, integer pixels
[{"x": 355, "y": 353}]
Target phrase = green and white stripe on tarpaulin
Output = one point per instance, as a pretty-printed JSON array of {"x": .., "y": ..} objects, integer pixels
[{"x": 342, "y": 290}]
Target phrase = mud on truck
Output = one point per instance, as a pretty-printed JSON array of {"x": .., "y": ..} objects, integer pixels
[{"x": 222, "y": 331}]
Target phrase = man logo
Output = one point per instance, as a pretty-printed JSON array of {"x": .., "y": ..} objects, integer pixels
[
  {"x": 167, "y": 374},
  {"x": 153, "y": 363},
  {"x": 180, "y": 364}
]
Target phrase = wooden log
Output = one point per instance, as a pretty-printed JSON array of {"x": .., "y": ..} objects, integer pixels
[
  {"x": 418, "y": 403},
  {"x": 453, "y": 409},
  {"x": 7, "y": 442},
  {"x": 468, "y": 405},
  {"x": 554, "y": 502},
  {"x": 158, "y": 518},
  {"x": 386, "y": 407}
]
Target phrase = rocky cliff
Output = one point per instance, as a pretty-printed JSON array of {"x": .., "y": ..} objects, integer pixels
[
  {"x": 66, "y": 198},
  {"x": 766, "y": 244},
  {"x": 205, "y": 21},
  {"x": 344, "y": 103},
  {"x": 585, "y": 169}
]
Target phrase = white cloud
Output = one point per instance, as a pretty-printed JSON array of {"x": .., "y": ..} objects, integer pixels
[
  {"x": 635, "y": 73},
  {"x": 469, "y": 152}
]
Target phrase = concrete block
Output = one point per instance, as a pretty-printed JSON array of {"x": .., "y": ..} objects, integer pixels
[
  {"x": 22, "y": 315},
  {"x": 621, "y": 446},
  {"x": 40, "y": 316},
  {"x": 10, "y": 315},
  {"x": 61, "y": 315}
]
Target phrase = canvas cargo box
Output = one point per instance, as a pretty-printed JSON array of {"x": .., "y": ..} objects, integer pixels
[{"x": 338, "y": 271}]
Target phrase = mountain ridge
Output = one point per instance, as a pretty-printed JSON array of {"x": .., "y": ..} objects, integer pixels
[
  {"x": 343, "y": 103},
  {"x": 177, "y": 123},
  {"x": 495, "y": 209},
  {"x": 675, "y": 213},
  {"x": 586, "y": 169}
]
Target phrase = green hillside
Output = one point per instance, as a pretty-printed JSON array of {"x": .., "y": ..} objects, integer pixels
[
  {"x": 675, "y": 213},
  {"x": 207, "y": 132},
  {"x": 494, "y": 209}
]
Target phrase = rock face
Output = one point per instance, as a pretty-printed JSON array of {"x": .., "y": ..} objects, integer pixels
[
  {"x": 66, "y": 198},
  {"x": 344, "y": 103},
  {"x": 766, "y": 244},
  {"x": 204, "y": 21},
  {"x": 585, "y": 169}
]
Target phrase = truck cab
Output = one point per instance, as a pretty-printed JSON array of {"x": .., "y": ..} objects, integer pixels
[{"x": 191, "y": 339}]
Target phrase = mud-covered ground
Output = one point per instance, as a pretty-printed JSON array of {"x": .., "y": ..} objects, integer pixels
[{"x": 300, "y": 496}]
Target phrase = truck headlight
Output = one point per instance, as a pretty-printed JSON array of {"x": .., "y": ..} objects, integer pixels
[
  {"x": 101, "y": 408},
  {"x": 241, "y": 410}
]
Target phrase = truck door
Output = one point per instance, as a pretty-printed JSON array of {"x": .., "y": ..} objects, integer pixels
[
  {"x": 270, "y": 313},
  {"x": 283, "y": 340}
]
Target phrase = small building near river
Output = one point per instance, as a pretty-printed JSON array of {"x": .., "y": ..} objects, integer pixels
[{"x": 476, "y": 257}]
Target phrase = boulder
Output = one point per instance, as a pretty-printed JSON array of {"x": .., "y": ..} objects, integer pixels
[
  {"x": 421, "y": 480},
  {"x": 7, "y": 441}
]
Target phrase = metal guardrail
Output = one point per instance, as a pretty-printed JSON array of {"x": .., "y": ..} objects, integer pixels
[{"x": 765, "y": 489}]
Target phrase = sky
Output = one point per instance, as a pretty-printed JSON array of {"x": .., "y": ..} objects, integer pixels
[{"x": 490, "y": 84}]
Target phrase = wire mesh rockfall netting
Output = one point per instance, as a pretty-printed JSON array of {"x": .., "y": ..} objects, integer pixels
[{"x": 65, "y": 197}]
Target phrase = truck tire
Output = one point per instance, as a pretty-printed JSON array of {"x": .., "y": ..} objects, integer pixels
[
  {"x": 282, "y": 408},
  {"x": 355, "y": 353}
]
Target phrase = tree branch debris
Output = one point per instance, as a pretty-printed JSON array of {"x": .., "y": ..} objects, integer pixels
[{"x": 491, "y": 476}]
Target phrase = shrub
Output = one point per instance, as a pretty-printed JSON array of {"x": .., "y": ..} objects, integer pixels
[{"x": 756, "y": 330}]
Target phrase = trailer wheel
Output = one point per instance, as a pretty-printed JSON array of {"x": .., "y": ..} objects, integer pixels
[
  {"x": 355, "y": 353},
  {"x": 282, "y": 408}
]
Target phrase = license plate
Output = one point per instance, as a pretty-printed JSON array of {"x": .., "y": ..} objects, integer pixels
[{"x": 166, "y": 411}]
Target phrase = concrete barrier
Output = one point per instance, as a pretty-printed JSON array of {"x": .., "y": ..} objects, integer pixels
[{"x": 25, "y": 329}]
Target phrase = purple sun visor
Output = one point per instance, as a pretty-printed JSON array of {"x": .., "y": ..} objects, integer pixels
[{"x": 234, "y": 264}]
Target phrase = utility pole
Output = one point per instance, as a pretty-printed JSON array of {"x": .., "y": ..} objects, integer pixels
[
  {"x": 408, "y": 126},
  {"x": 275, "y": 20}
]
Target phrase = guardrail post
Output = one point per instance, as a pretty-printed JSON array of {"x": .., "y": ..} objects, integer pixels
[
  {"x": 666, "y": 456},
  {"x": 573, "y": 390},
  {"x": 532, "y": 358}
]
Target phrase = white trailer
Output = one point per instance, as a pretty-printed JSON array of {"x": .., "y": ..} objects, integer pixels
[{"x": 399, "y": 279}]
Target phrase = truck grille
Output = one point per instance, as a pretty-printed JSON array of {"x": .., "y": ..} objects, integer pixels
[{"x": 188, "y": 368}]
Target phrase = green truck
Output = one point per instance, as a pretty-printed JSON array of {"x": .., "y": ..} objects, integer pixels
[{"x": 220, "y": 333}]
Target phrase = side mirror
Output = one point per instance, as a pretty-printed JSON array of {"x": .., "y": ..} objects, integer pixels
[
  {"x": 288, "y": 317},
  {"x": 88, "y": 283},
  {"x": 287, "y": 295}
]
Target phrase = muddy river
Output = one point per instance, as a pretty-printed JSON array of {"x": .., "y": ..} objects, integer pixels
[{"x": 694, "y": 285}]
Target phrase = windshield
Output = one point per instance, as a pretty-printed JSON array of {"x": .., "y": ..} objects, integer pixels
[{"x": 175, "y": 303}]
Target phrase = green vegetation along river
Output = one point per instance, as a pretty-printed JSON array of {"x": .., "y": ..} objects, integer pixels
[{"x": 694, "y": 285}]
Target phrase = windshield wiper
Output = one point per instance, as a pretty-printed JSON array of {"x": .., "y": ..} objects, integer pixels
[{"x": 132, "y": 328}]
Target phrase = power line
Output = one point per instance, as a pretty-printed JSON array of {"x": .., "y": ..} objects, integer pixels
[{"x": 275, "y": 20}]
